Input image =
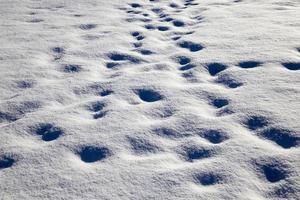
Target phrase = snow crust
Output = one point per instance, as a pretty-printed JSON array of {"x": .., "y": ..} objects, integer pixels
[{"x": 159, "y": 99}]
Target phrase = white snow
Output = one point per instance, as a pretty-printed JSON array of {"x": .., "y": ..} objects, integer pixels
[{"x": 153, "y": 99}]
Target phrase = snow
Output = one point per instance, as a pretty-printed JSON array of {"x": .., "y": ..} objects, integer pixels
[{"x": 181, "y": 99}]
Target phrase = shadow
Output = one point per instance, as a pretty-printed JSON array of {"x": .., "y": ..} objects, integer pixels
[
  {"x": 87, "y": 26},
  {"x": 214, "y": 136},
  {"x": 207, "y": 179},
  {"x": 7, "y": 117},
  {"x": 183, "y": 60},
  {"x": 48, "y": 132},
  {"x": 193, "y": 47},
  {"x": 25, "y": 84},
  {"x": 256, "y": 122},
  {"x": 249, "y": 64},
  {"x": 219, "y": 103},
  {"x": 6, "y": 162},
  {"x": 228, "y": 81},
  {"x": 140, "y": 146},
  {"x": 292, "y": 65},
  {"x": 193, "y": 153},
  {"x": 72, "y": 68},
  {"x": 91, "y": 154},
  {"x": 123, "y": 57},
  {"x": 273, "y": 173},
  {"x": 281, "y": 137},
  {"x": 187, "y": 67},
  {"x": 163, "y": 28},
  {"x": 148, "y": 95},
  {"x": 178, "y": 23},
  {"x": 215, "y": 68}
]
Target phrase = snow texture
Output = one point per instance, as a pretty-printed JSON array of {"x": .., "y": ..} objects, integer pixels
[{"x": 150, "y": 99}]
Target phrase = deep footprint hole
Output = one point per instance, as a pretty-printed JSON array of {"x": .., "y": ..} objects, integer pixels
[
  {"x": 111, "y": 65},
  {"x": 149, "y": 27},
  {"x": 163, "y": 28},
  {"x": 183, "y": 60},
  {"x": 99, "y": 114},
  {"x": 193, "y": 47},
  {"x": 292, "y": 65},
  {"x": 6, "y": 161},
  {"x": 193, "y": 153},
  {"x": 135, "y": 5},
  {"x": 123, "y": 57},
  {"x": 58, "y": 50},
  {"x": 90, "y": 154},
  {"x": 173, "y": 5},
  {"x": 104, "y": 93},
  {"x": 256, "y": 122},
  {"x": 272, "y": 173},
  {"x": 284, "y": 138},
  {"x": 168, "y": 19},
  {"x": 135, "y": 34},
  {"x": 215, "y": 68},
  {"x": 207, "y": 179},
  {"x": 48, "y": 131},
  {"x": 140, "y": 37},
  {"x": 145, "y": 52},
  {"x": 273, "y": 170},
  {"x": 215, "y": 136},
  {"x": 149, "y": 95},
  {"x": 250, "y": 64},
  {"x": 219, "y": 103},
  {"x": 72, "y": 68},
  {"x": 96, "y": 106},
  {"x": 178, "y": 23}
]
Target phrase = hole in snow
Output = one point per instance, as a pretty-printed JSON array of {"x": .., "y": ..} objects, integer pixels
[
  {"x": 91, "y": 154},
  {"x": 48, "y": 131},
  {"x": 215, "y": 68},
  {"x": 292, "y": 65},
  {"x": 87, "y": 26},
  {"x": 194, "y": 153},
  {"x": 72, "y": 68},
  {"x": 25, "y": 84},
  {"x": 282, "y": 137},
  {"x": 149, "y": 95},
  {"x": 249, "y": 64},
  {"x": 6, "y": 161},
  {"x": 141, "y": 146},
  {"x": 207, "y": 179},
  {"x": 228, "y": 81},
  {"x": 193, "y": 47},
  {"x": 163, "y": 28},
  {"x": 256, "y": 122},
  {"x": 123, "y": 57},
  {"x": 187, "y": 67},
  {"x": 215, "y": 136},
  {"x": 183, "y": 60},
  {"x": 178, "y": 23},
  {"x": 219, "y": 103}
]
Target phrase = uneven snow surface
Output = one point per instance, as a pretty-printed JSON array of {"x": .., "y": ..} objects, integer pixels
[{"x": 149, "y": 99}]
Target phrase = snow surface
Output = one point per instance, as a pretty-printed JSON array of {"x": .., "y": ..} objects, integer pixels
[{"x": 120, "y": 99}]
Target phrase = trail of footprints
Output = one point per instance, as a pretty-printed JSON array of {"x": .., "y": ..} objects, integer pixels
[{"x": 271, "y": 169}]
